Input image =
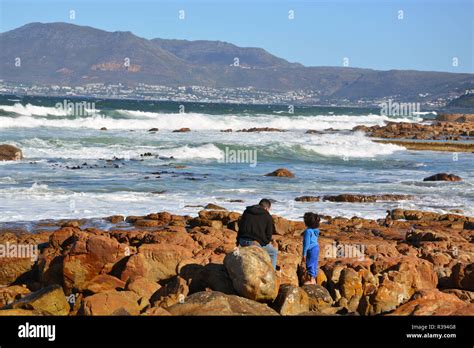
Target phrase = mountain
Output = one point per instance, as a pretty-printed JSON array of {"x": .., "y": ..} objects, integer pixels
[{"x": 67, "y": 54}]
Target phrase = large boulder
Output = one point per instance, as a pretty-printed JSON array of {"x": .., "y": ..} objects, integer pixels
[
  {"x": 155, "y": 261},
  {"x": 212, "y": 276},
  {"x": 288, "y": 272},
  {"x": 217, "y": 303},
  {"x": 350, "y": 287},
  {"x": 287, "y": 227},
  {"x": 89, "y": 256},
  {"x": 252, "y": 273},
  {"x": 10, "y": 153},
  {"x": 50, "y": 300},
  {"x": 112, "y": 303},
  {"x": 291, "y": 300},
  {"x": 318, "y": 297}
]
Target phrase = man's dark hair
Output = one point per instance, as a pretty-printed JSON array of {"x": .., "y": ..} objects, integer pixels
[
  {"x": 265, "y": 203},
  {"x": 311, "y": 220}
]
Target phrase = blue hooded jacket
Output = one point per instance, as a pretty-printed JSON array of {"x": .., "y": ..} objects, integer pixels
[{"x": 310, "y": 239}]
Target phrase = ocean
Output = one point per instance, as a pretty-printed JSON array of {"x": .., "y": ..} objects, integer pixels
[{"x": 72, "y": 169}]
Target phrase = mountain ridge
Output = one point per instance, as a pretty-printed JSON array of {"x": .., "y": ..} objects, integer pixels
[{"x": 68, "y": 54}]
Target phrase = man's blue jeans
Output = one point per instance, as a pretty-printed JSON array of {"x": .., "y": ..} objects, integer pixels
[{"x": 273, "y": 252}]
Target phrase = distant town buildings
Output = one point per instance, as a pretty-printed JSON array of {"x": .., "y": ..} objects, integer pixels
[{"x": 241, "y": 95}]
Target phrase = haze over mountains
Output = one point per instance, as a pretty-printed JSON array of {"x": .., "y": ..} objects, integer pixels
[{"x": 67, "y": 54}]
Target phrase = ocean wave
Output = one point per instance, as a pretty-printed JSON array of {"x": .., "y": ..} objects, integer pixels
[
  {"x": 38, "y": 148},
  {"x": 349, "y": 146},
  {"x": 32, "y": 116},
  {"x": 207, "y": 151},
  {"x": 33, "y": 110}
]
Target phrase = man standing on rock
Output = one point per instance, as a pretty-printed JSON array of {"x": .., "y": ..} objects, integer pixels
[{"x": 256, "y": 228}]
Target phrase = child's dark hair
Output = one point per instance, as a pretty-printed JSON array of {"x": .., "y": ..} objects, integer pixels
[{"x": 311, "y": 220}]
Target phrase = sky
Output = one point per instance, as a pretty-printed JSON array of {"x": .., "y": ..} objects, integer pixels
[{"x": 430, "y": 35}]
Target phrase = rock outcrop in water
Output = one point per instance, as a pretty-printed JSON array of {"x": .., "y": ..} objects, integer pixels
[
  {"x": 354, "y": 198},
  {"x": 421, "y": 131},
  {"x": 281, "y": 172},
  {"x": 10, "y": 153},
  {"x": 411, "y": 262},
  {"x": 443, "y": 177}
]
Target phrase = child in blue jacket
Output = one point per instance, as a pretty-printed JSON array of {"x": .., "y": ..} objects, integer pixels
[{"x": 311, "y": 246}]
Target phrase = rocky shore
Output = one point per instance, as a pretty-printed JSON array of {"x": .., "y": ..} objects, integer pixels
[
  {"x": 453, "y": 133},
  {"x": 409, "y": 263}
]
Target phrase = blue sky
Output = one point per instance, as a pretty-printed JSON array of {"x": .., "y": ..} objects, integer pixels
[{"x": 322, "y": 33}]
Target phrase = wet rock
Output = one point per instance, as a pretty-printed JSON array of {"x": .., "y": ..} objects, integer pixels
[
  {"x": 261, "y": 129},
  {"x": 357, "y": 198},
  {"x": 443, "y": 177},
  {"x": 103, "y": 129},
  {"x": 182, "y": 130},
  {"x": 217, "y": 303},
  {"x": 212, "y": 206},
  {"x": 252, "y": 273},
  {"x": 153, "y": 130},
  {"x": 281, "y": 172},
  {"x": 10, "y": 153},
  {"x": 307, "y": 199},
  {"x": 115, "y": 219}
]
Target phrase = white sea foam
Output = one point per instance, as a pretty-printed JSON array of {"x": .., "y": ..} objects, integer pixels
[
  {"x": 30, "y": 110},
  {"x": 140, "y": 120},
  {"x": 207, "y": 151},
  {"x": 349, "y": 146},
  {"x": 38, "y": 148}
]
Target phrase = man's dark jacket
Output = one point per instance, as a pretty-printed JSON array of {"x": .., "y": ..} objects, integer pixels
[{"x": 256, "y": 224}]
